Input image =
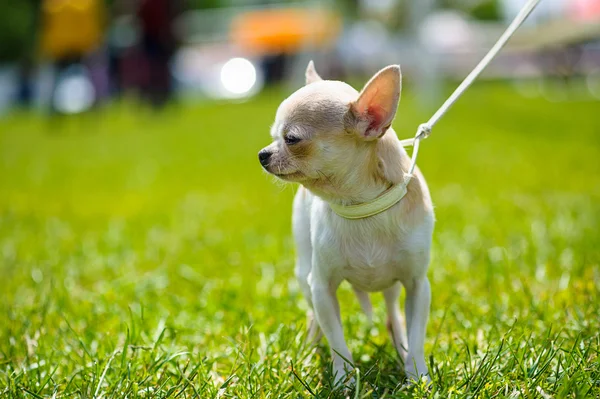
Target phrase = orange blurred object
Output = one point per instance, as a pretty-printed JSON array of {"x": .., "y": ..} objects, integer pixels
[
  {"x": 71, "y": 27},
  {"x": 286, "y": 30}
]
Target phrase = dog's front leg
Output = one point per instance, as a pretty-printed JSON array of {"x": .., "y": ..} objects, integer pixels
[
  {"x": 418, "y": 300},
  {"x": 327, "y": 310}
]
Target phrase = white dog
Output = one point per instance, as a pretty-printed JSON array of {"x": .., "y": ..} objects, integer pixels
[{"x": 357, "y": 215}]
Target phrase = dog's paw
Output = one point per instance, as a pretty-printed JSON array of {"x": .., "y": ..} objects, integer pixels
[
  {"x": 411, "y": 381},
  {"x": 343, "y": 374},
  {"x": 346, "y": 384},
  {"x": 416, "y": 373}
]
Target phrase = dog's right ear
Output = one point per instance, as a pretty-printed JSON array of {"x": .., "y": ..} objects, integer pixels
[{"x": 311, "y": 74}]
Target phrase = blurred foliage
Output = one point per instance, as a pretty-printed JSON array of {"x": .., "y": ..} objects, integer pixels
[
  {"x": 207, "y": 4},
  {"x": 485, "y": 10},
  {"x": 17, "y": 28},
  {"x": 203, "y": 4}
]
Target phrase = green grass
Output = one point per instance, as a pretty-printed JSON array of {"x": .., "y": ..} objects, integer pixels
[{"x": 146, "y": 255}]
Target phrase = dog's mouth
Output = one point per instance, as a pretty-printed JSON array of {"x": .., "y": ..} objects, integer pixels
[{"x": 289, "y": 176}]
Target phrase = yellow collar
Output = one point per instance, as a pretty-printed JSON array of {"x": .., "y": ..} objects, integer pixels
[{"x": 383, "y": 202}]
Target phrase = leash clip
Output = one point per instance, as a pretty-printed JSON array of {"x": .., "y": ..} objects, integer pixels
[{"x": 423, "y": 131}]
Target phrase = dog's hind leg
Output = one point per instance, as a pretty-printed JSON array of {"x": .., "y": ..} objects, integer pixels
[
  {"x": 418, "y": 300},
  {"x": 365, "y": 303},
  {"x": 394, "y": 319}
]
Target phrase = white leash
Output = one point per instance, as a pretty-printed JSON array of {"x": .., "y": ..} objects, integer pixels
[
  {"x": 395, "y": 193},
  {"x": 424, "y": 129}
]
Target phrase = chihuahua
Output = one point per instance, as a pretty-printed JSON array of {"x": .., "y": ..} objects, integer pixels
[{"x": 339, "y": 146}]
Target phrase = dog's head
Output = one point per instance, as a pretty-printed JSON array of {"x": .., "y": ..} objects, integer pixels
[{"x": 325, "y": 132}]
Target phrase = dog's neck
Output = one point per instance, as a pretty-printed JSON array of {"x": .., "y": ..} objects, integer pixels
[{"x": 383, "y": 166}]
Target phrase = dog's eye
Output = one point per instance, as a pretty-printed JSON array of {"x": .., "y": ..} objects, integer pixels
[{"x": 291, "y": 140}]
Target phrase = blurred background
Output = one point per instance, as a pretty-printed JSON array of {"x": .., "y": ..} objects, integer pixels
[
  {"x": 134, "y": 213},
  {"x": 70, "y": 56}
]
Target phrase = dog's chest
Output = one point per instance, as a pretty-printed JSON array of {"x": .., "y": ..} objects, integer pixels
[
  {"x": 371, "y": 254},
  {"x": 372, "y": 266}
]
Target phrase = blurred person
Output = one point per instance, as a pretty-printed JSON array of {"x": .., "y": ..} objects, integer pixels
[
  {"x": 26, "y": 64},
  {"x": 275, "y": 66},
  {"x": 25, "y": 89},
  {"x": 158, "y": 44},
  {"x": 18, "y": 26},
  {"x": 122, "y": 40},
  {"x": 71, "y": 30}
]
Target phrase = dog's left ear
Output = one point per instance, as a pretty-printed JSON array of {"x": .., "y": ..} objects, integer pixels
[
  {"x": 377, "y": 103},
  {"x": 311, "y": 73}
]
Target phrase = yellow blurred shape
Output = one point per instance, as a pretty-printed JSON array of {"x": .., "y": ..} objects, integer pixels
[
  {"x": 71, "y": 27},
  {"x": 284, "y": 31}
]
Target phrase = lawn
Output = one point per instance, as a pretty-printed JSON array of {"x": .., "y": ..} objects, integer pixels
[{"x": 146, "y": 254}]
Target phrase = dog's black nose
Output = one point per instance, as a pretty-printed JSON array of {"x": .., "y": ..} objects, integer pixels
[{"x": 264, "y": 157}]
